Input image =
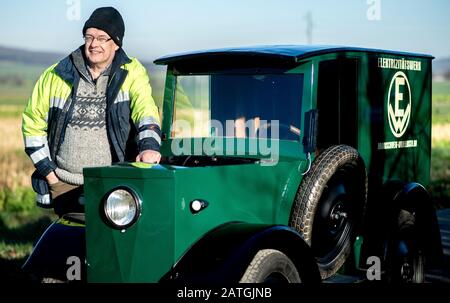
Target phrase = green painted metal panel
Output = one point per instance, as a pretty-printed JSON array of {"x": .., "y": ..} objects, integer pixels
[
  {"x": 391, "y": 155},
  {"x": 247, "y": 193},
  {"x": 143, "y": 252}
]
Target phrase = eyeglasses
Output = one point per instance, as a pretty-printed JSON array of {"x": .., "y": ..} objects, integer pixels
[{"x": 101, "y": 39}]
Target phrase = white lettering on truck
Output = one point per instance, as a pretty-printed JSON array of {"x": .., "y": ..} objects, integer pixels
[{"x": 402, "y": 64}]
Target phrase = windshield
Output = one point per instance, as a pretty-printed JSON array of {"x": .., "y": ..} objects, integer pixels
[{"x": 241, "y": 106}]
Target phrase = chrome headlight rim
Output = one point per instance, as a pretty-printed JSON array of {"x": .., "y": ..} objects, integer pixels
[{"x": 137, "y": 202}]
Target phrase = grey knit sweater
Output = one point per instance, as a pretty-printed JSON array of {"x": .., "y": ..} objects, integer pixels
[{"x": 86, "y": 141}]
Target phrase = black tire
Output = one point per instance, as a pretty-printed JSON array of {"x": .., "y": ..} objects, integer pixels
[
  {"x": 330, "y": 204},
  {"x": 405, "y": 261},
  {"x": 271, "y": 266}
]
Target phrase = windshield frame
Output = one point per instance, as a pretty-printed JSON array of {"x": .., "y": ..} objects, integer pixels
[{"x": 287, "y": 149}]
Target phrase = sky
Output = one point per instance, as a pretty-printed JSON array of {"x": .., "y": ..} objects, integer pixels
[{"x": 154, "y": 28}]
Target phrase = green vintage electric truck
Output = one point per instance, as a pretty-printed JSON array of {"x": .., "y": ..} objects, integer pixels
[{"x": 280, "y": 164}]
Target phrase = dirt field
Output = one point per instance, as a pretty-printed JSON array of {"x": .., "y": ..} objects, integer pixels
[
  {"x": 15, "y": 166},
  {"x": 440, "y": 132}
]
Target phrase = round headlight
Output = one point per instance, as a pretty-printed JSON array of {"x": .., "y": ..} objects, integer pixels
[{"x": 122, "y": 208}]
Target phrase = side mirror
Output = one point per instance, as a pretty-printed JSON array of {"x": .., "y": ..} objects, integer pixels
[{"x": 310, "y": 135}]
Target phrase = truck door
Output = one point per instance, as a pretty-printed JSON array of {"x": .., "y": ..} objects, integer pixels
[{"x": 337, "y": 102}]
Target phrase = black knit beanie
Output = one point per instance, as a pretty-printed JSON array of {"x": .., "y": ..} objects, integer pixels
[{"x": 107, "y": 19}]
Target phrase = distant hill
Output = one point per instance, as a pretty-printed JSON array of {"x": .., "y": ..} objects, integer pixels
[
  {"x": 441, "y": 66},
  {"x": 41, "y": 58},
  {"x": 28, "y": 57}
]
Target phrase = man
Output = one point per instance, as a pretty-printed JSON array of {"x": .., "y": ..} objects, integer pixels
[{"x": 93, "y": 108}]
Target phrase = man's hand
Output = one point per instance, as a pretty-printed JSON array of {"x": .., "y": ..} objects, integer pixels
[
  {"x": 149, "y": 156},
  {"x": 52, "y": 178}
]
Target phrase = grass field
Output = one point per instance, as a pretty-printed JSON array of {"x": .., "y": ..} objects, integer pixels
[
  {"x": 441, "y": 88},
  {"x": 21, "y": 222},
  {"x": 17, "y": 81},
  {"x": 440, "y": 156},
  {"x": 441, "y": 103}
]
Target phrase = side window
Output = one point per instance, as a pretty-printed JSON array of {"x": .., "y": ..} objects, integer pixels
[{"x": 337, "y": 100}]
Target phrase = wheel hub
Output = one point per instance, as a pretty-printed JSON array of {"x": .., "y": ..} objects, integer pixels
[
  {"x": 406, "y": 272},
  {"x": 338, "y": 217}
]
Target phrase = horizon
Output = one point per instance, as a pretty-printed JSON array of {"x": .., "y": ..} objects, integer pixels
[
  {"x": 179, "y": 26},
  {"x": 145, "y": 60}
]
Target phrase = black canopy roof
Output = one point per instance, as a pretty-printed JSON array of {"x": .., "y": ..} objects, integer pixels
[{"x": 286, "y": 54}]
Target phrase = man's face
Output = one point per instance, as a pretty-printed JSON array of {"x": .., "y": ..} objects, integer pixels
[{"x": 99, "y": 52}]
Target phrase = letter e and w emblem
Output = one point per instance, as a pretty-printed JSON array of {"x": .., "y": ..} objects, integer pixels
[{"x": 399, "y": 104}]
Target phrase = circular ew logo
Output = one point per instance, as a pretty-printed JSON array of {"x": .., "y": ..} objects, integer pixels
[{"x": 399, "y": 104}]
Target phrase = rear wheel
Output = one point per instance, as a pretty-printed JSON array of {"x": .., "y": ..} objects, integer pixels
[
  {"x": 330, "y": 204},
  {"x": 271, "y": 266},
  {"x": 405, "y": 262}
]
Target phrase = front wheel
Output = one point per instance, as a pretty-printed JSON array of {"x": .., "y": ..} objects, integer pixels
[{"x": 271, "y": 266}]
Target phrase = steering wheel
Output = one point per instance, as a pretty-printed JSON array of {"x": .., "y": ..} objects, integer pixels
[{"x": 281, "y": 126}]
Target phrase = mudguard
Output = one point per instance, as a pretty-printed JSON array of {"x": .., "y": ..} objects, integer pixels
[
  {"x": 223, "y": 254},
  {"x": 415, "y": 197},
  {"x": 63, "y": 239}
]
